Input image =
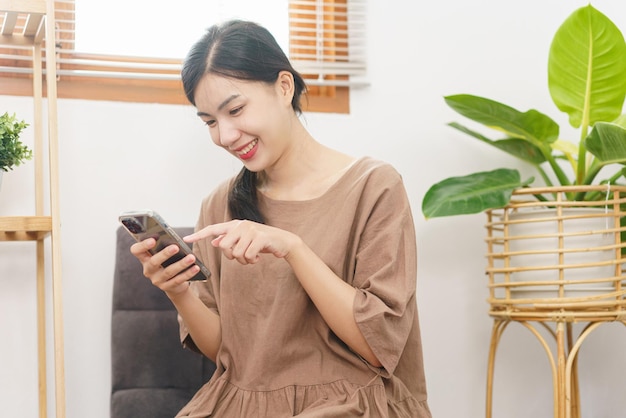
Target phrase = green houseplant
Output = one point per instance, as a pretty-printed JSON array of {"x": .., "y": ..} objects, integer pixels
[
  {"x": 12, "y": 151},
  {"x": 587, "y": 81}
]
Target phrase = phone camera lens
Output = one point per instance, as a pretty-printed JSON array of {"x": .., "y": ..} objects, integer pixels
[{"x": 133, "y": 225}]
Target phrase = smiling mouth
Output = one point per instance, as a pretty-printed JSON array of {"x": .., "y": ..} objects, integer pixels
[{"x": 245, "y": 151}]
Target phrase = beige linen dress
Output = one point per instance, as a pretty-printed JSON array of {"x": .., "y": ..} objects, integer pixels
[{"x": 278, "y": 357}]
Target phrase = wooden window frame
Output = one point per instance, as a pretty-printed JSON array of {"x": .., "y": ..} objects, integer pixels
[{"x": 325, "y": 99}]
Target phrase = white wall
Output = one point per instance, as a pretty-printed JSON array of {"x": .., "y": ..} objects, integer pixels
[{"x": 118, "y": 156}]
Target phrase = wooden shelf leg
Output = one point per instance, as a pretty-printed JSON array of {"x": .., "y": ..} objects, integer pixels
[
  {"x": 39, "y": 210},
  {"x": 55, "y": 211},
  {"x": 571, "y": 373},
  {"x": 572, "y": 391},
  {"x": 561, "y": 362},
  {"x": 41, "y": 330},
  {"x": 59, "y": 348},
  {"x": 496, "y": 333}
]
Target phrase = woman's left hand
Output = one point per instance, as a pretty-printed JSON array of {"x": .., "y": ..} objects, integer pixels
[{"x": 244, "y": 241}]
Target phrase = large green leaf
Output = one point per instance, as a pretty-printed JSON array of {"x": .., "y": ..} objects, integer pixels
[
  {"x": 516, "y": 147},
  {"x": 532, "y": 125},
  {"x": 473, "y": 193},
  {"x": 607, "y": 141},
  {"x": 587, "y": 68}
]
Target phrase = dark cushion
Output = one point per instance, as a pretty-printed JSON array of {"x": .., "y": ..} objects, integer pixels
[{"x": 152, "y": 375}]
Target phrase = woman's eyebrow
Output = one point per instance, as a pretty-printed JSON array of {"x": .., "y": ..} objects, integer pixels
[{"x": 222, "y": 105}]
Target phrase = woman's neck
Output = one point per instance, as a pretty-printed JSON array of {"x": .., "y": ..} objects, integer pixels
[{"x": 295, "y": 177}]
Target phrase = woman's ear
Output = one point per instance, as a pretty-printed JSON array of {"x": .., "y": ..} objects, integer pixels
[{"x": 285, "y": 86}]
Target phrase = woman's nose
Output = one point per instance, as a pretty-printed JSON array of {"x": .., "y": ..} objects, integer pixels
[{"x": 228, "y": 134}]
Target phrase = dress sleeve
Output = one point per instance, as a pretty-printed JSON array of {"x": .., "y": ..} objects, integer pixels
[
  {"x": 385, "y": 271},
  {"x": 213, "y": 210}
]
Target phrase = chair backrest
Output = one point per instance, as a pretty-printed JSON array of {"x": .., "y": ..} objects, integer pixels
[{"x": 152, "y": 375}]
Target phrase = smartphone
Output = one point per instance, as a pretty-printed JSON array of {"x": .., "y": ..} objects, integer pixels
[{"x": 146, "y": 224}]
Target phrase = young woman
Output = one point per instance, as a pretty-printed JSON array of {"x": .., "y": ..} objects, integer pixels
[{"x": 311, "y": 307}]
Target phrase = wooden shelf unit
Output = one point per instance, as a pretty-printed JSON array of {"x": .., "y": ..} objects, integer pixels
[
  {"x": 25, "y": 228},
  {"x": 31, "y": 23}
]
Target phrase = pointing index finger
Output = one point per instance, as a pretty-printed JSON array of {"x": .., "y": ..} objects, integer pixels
[{"x": 210, "y": 231}]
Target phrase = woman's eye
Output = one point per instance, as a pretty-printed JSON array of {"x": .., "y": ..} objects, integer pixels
[
  {"x": 236, "y": 110},
  {"x": 210, "y": 123}
]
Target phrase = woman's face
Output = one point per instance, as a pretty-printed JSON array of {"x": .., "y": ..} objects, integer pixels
[{"x": 249, "y": 119}]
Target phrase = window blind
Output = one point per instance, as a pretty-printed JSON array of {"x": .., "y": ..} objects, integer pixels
[
  {"x": 326, "y": 45},
  {"x": 327, "y": 40}
]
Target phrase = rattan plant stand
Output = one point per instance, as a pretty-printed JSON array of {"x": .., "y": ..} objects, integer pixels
[{"x": 552, "y": 264}]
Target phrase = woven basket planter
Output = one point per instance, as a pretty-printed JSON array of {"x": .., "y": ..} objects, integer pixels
[{"x": 557, "y": 255}]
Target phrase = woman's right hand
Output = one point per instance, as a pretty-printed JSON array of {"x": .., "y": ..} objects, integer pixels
[{"x": 171, "y": 279}]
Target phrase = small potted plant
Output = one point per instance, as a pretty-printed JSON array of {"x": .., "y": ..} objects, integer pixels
[
  {"x": 12, "y": 151},
  {"x": 587, "y": 81}
]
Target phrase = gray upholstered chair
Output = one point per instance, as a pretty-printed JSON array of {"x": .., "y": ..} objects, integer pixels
[{"x": 152, "y": 375}]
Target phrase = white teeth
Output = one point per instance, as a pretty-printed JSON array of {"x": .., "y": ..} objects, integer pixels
[{"x": 248, "y": 148}]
